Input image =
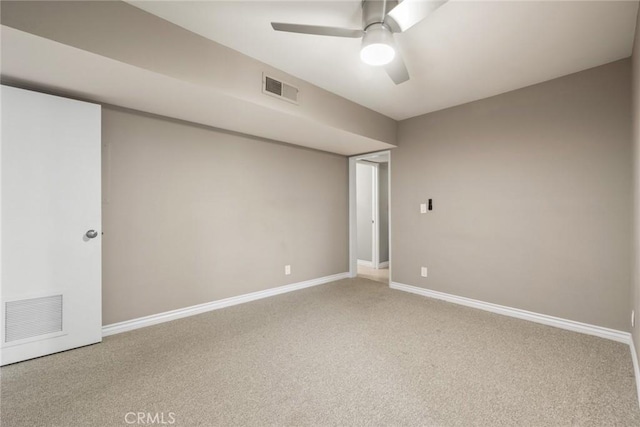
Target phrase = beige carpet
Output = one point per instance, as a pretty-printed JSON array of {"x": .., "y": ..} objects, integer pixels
[{"x": 350, "y": 353}]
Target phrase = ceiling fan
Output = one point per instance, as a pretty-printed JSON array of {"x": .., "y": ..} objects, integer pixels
[{"x": 380, "y": 20}]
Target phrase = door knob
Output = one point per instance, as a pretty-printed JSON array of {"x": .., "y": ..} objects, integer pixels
[{"x": 92, "y": 234}]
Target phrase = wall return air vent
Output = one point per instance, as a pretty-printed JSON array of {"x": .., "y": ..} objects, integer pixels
[
  {"x": 33, "y": 317},
  {"x": 279, "y": 89}
]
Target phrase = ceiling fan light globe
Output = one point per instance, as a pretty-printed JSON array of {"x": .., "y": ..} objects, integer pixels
[
  {"x": 377, "y": 54},
  {"x": 377, "y": 45}
]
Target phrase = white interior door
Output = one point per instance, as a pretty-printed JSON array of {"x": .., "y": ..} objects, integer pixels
[
  {"x": 365, "y": 214},
  {"x": 50, "y": 194},
  {"x": 375, "y": 213}
]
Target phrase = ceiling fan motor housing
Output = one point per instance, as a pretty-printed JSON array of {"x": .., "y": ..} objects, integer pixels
[{"x": 375, "y": 11}]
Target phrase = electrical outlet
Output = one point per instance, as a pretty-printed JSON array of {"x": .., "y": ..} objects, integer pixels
[
  {"x": 423, "y": 271},
  {"x": 423, "y": 208},
  {"x": 633, "y": 318},
  {"x": 287, "y": 270}
]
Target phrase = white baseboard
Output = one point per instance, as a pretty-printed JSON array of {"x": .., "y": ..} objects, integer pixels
[
  {"x": 636, "y": 367},
  {"x": 584, "y": 328},
  {"x": 154, "y": 319},
  {"x": 365, "y": 263},
  {"x": 384, "y": 264}
]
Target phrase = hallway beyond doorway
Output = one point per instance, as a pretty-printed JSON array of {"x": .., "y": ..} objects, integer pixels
[{"x": 379, "y": 275}]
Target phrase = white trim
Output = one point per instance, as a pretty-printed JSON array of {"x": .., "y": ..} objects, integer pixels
[
  {"x": 384, "y": 264},
  {"x": 584, "y": 328},
  {"x": 389, "y": 240},
  {"x": 365, "y": 263},
  {"x": 353, "y": 219},
  {"x": 636, "y": 367},
  {"x": 154, "y": 319}
]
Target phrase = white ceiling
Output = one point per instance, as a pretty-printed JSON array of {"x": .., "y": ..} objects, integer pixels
[{"x": 465, "y": 51}]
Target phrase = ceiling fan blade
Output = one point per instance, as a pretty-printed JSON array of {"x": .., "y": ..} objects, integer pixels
[
  {"x": 409, "y": 12},
  {"x": 317, "y": 30},
  {"x": 397, "y": 70}
]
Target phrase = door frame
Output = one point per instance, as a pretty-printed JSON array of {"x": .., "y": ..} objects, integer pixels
[{"x": 353, "y": 222}]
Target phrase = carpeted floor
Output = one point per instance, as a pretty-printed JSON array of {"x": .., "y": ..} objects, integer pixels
[{"x": 353, "y": 352}]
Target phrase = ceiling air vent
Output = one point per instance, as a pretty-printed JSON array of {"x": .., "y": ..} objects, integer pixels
[{"x": 279, "y": 89}]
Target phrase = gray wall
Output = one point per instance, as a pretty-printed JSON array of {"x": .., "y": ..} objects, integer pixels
[
  {"x": 364, "y": 209},
  {"x": 383, "y": 201},
  {"x": 636, "y": 158},
  {"x": 192, "y": 215},
  {"x": 532, "y": 198}
]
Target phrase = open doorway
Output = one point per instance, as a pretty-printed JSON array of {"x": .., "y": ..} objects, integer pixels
[{"x": 369, "y": 226}]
